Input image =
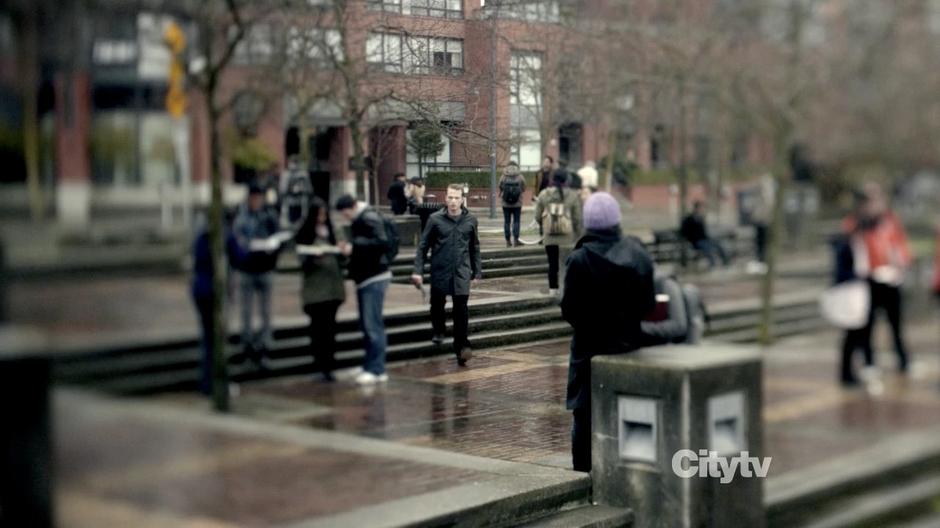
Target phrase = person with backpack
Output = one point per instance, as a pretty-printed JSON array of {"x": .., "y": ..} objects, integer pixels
[
  {"x": 679, "y": 316},
  {"x": 322, "y": 291},
  {"x": 255, "y": 224},
  {"x": 511, "y": 189},
  {"x": 609, "y": 290},
  {"x": 371, "y": 249},
  {"x": 452, "y": 235},
  {"x": 558, "y": 210}
]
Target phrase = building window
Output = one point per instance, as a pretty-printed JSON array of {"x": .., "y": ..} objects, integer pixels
[
  {"x": 429, "y": 165},
  {"x": 256, "y": 47},
  {"x": 383, "y": 52},
  {"x": 525, "y": 78},
  {"x": 526, "y": 148},
  {"x": 322, "y": 46},
  {"x": 389, "y": 6},
  {"x": 437, "y": 8},
  {"x": 395, "y": 53},
  {"x": 528, "y": 10}
]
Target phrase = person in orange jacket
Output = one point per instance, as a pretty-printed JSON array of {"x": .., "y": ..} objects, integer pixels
[
  {"x": 882, "y": 256},
  {"x": 936, "y": 266}
]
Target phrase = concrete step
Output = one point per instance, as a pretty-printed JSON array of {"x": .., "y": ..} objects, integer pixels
[
  {"x": 887, "y": 484},
  {"x": 298, "y": 362},
  {"x": 295, "y": 343},
  {"x": 518, "y": 509},
  {"x": 897, "y": 506},
  {"x": 590, "y": 516}
]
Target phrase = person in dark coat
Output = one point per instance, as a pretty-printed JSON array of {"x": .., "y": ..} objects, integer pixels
[
  {"x": 545, "y": 174},
  {"x": 693, "y": 229},
  {"x": 202, "y": 288},
  {"x": 452, "y": 236},
  {"x": 608, "y": 291},
  {"x": 396, "y": 195},
  {"x": 322, "y": 290}
]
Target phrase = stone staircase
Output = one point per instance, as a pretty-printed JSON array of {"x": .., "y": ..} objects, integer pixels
[
  {"x": 173, "y": 364},
  {"x": 894, "y": 483}
]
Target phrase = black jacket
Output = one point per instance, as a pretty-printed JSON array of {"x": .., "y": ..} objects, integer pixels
[
  {"x": 693, "y": 229},
  {"x": 455, "y": 252},
  {"x": 608, "y": 291},
  {"x": 396, "y": 197},
  {"x": 370, "y": 244}
]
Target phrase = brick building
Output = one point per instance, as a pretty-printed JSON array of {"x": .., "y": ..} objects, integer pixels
[{"x": 112, "y": 145}]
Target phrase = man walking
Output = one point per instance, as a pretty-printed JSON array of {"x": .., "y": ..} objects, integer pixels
[
  {"x": 608, "y": 291},
  {"x": 368, "y": 267},
  {"x": 452, "y": 235},
  {"x": 254, "y": 224},
  {"x": 511, "y": 189}
]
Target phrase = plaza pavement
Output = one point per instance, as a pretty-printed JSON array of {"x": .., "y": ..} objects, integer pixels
[{"x": 299, "y": 452}]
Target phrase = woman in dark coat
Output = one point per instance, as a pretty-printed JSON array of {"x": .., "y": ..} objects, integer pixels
[{"x": 322, "y": 291}]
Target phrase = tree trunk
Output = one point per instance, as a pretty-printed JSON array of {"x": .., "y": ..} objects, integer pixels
[
  {"x": 29, "y": 89},
  {"x": 358, "y": 158},
  {"x": 611, "y": 153},
  {"x": 765, "y": 328},
  {"x": 220, "y": 396},
  {"x": 683, "y": 174}
]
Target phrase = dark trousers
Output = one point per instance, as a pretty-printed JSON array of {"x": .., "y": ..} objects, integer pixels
[
  {"x": 511, "y": 218},
  {"x": 712, "y": 249},
  {"x": 460, "y": 313},
  {"x": 322, "y": 333},
  {"x": 581, "y": 439},
  {"x": 553, "y": 256},
  {"x": 760, "y": 242},
  {"x": 204, "y": 307},
  {"x": 883, "y": 297}
]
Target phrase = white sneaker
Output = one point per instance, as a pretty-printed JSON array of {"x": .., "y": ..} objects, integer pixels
[
  {"x": 366, "y": 378},
  {"x": 381, "y": 378}
]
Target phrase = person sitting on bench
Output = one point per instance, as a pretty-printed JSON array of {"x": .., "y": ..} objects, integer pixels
[{"x": 693, "y": 229}]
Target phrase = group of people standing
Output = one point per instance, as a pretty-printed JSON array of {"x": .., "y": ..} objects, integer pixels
[{"x": 558, "y": 201}]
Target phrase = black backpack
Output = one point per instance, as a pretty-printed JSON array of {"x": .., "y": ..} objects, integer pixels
[{"x": 512, "y": 190}]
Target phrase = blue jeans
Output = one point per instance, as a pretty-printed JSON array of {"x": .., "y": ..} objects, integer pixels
[
  {"x": 511, "y": 217},
  {"x": 711, "y": 250},
  {"x": 370, "y": 299}
]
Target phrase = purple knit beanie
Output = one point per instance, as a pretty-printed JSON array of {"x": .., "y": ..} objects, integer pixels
[{"x": 601, "y": 211}]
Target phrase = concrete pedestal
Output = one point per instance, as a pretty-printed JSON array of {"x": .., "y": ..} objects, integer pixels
[{"x": 664, "y": 419}]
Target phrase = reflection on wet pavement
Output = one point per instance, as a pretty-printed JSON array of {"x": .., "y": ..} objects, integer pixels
[{"x": 509, "y": 404}]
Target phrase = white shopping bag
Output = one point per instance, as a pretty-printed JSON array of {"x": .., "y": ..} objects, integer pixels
[{"x": 846, "y": 305}]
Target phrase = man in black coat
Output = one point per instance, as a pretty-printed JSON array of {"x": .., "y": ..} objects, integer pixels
[
  {"x": 608, "y": 291},
  {"x": 452, "y": 235},
  {"x": 396, "y": 195}
]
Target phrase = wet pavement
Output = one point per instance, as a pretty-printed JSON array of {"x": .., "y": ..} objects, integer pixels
[
  {"x": 299, "y": 449},
  {"x": 509, "y": 404}
]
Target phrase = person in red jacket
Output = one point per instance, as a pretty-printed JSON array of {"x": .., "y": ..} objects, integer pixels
[
  {"x": 882, "y": 256},
  {"x": 936, "y": 266}
]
